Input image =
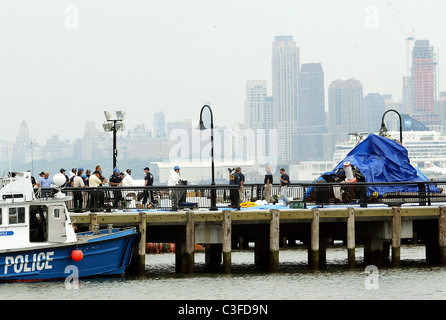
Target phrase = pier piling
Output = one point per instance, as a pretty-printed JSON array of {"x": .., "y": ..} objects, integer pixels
[
  {"x": 190, "y": 242},
  {"x": 351, "y": 238},
  {"x": 274, "y": 240},
  {"x": 138, "y": 264},
  {"x": 227, "y": 244},
  {"x": 313, "y": 253},
  {"x": 396, "y": 236},
  {"x": 442, "y": 234},
  {"x": 374, "y": 251}
]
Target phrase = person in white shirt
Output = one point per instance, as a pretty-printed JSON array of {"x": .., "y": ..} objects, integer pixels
[
  {"x": 173, "y": 181},
  {"x": 94, "y": 181},
  {"x": 127, "y": 181},
  {"x": 78, "y": 182},
  {"x": 174, "y": 177}
]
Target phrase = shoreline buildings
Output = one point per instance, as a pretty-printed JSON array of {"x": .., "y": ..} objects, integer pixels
[{"x": 301, "y": 122}]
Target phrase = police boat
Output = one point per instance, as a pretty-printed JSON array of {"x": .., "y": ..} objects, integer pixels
[{"x": 38, "y": 241}]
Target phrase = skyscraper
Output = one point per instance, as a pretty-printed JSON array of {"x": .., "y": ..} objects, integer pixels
[
  {"x": 259, "y": 115},
  {"x": 310, "y": 143},
  {"x": 159, "y": 125},
  {"x": 255, "y": 96},
  {"x": 285, "y": 70},
  {"x": 258, "y": 107},
  {"x": 424, "y": 82},
  {"x": 311, "y": 111},
  {"x": 344, "y": 104},
  {"x": 373, "y": 108}
]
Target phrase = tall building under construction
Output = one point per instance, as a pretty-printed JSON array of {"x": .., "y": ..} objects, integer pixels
[{"x": 424, "y": 83}]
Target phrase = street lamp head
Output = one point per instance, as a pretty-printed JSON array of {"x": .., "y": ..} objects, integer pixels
[
  {"x": 201, "y": 125},
  {"x": 383, "y": 130}
]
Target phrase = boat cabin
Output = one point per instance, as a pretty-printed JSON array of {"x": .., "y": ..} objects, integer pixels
[{"x": 28, "y": 221}]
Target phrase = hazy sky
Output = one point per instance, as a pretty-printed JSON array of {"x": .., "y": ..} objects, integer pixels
[{"x": 143, "y": 56}]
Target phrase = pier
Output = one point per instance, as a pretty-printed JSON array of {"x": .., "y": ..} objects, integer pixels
[{"x": 380, "y": 230}]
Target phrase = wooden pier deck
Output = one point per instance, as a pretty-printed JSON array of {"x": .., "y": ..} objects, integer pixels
[{"x": 380, "y": 230}]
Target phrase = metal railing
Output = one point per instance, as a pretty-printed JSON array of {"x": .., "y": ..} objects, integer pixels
[
  {"x": 387, "y": 193},
  {"x": 160, "y": 198},
  {"x": 360, "y": 193},
  {"x": 164, "y": 198}
]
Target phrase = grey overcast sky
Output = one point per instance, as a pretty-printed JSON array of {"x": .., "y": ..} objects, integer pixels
[{"x": 144, "y": 56}]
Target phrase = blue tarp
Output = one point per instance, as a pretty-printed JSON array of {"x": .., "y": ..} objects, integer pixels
[{"x": 380, "y": 159}]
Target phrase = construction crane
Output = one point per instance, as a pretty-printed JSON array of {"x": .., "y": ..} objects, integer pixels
[{"x": 408, "y": 36}]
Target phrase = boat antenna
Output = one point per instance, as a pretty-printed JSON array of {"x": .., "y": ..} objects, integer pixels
[
  {"x": 32, "y": 158},
  {"x": 10, "y": 167},
  {"x": 9, "y": 158}
]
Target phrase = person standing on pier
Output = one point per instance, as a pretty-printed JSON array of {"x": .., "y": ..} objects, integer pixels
[
  {"x": 268, "y": 185},
  {"x": 103, "y": 182},
  {"x": 242, "y": 182},
  {"x": 174, "y": 180},
  {"x": 78, "y": 182},
  {"x": 87, "y": 176},
  {"x": 127, "y": 180},
  {"x": 234, "y": 179},
  {"x": 148, "y": 182},
  {"x": 115, "y": 181},
  {"x": 94, "y": 182},
  {"x": 284, "y": 184}
]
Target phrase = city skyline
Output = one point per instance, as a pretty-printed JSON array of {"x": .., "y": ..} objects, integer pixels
[{"x": 143, "y": 57}]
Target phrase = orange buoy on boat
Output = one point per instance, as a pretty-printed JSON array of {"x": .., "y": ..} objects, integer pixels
[{"x": 77, "y": 255}]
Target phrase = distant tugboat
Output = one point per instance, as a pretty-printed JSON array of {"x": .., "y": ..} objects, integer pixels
[{"x": 38, "y": 241}]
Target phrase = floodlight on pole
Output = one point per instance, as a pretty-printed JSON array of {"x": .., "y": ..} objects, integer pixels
[
  {"x": 114, "y": 125},
  {"x": 107, "y": 115}
]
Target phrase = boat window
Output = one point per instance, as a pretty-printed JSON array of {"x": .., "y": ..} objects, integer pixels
[
  {"x": 57, "y": 213},
  {"x": 16, "y": 215},
  {"x": 37, "y": 223}
]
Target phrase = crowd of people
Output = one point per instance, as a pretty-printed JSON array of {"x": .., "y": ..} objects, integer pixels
[
  {"x": 78, "y": 177},
  {"x": 236, "y": 177}
]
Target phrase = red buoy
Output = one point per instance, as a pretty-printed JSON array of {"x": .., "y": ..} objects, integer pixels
[{"x": 77, "y": 255}]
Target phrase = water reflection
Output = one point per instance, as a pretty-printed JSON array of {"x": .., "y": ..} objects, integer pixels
[{"x": 294, "y": 281}]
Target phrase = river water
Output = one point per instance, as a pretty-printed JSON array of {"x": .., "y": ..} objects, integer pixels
[{"x": 294, "y": 281}]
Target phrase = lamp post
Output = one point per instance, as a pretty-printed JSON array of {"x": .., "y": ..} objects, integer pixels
[
  {"x": 383, "y": 129},
  {"x": 202, "y": 127},
  {"x": 114, "y": 125}
]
